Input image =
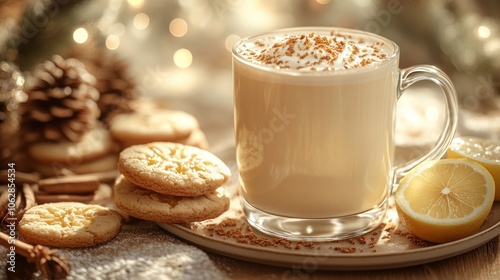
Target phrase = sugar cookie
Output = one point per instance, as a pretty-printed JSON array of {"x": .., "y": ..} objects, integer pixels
[
  {"x": 94, "y": 144},
  {"x": 155, "y": 125},
  {"x": 69, "y": 224},
  {"x": 148, "y": 205},
  {"x": 197, "y": 138},
  {"x": 173, "y": 168}
]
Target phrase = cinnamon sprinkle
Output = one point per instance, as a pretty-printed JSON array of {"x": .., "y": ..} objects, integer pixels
[
  {"x": 238, "y": 230},
  {"x": 313, "y": 52}
]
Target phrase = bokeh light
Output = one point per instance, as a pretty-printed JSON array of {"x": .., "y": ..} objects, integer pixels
[
  {"x": 112, "y": 42},
  {"x": 80, "y": 35},
  {"x": 178, "y": 27},
  {"x": 323, "y": 2},
  {"x": 136, "y": 3},
  {"x": 183, "y": 58},
  {"x": 492, "y": 49},
  {"x": 483, "y": 32},
  {"x": 141, "y": 21}
]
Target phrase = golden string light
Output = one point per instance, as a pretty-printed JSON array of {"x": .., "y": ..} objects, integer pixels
[
  {"x": 178, "y": 27},
  {"x": 141, "y": 21},
  {"x": 80, "y": 35},
  {"x": 183, "y": 58}
]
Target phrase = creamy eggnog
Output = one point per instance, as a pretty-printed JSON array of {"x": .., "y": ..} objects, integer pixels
[
  {"x": 314, "y": 112},
  {"x": 314, "y": 120}
]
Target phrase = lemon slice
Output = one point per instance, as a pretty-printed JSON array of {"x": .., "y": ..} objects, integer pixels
[
  {"x": 445, "y": 200},
  {"x": 483, "y": 151}
]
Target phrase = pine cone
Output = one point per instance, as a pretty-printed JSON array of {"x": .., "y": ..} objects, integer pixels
[
  {"x": 117, "y": 88},
  {"x": 61, "y": 102}
]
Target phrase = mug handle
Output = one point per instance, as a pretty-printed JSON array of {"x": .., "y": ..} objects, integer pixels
[{"x": 408, "y": 77}]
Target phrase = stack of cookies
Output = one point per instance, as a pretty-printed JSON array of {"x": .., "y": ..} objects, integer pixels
[
  {"x": 171, "y": 183},
  {"x": 92, "y": 153},
  {"x": 97, "y": 150},
  {"x": 75, "y": 171}
]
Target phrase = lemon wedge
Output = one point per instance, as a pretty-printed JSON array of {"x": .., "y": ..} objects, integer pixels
[
  {"x": 445, "y": 200},
  {"x": 483, "y": 151}
]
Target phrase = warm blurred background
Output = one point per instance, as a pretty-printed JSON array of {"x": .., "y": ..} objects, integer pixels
[{"x": 179, "y": 51}]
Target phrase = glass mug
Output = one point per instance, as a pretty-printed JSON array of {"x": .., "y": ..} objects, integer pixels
[{"x": 314, "y": 113}]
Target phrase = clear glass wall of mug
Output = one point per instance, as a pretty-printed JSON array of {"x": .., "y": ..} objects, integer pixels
[{"x": 315, "y": 127}]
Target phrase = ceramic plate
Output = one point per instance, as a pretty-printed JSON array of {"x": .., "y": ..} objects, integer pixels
[{"x": 389, "y": 246}]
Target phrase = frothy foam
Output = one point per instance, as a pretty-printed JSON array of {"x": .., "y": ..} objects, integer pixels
[{"x": 313, "y": 52}]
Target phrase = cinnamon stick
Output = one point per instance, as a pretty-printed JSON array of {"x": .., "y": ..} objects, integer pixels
[
  {"x": 71, "y": 184},
  {"x": 76, "y": 184},
  {"x": 13, "y": 205},
  {"x": 39, "y": 258}
]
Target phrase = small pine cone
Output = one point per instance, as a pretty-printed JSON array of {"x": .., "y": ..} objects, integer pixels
[
  {"x": 61, "y": 102},
  {"x": 117, "y": 88}
]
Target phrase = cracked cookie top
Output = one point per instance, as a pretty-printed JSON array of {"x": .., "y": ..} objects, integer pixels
[
  {"x": 173, "y": 168},
  {"x": 69, "y": 224}
]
